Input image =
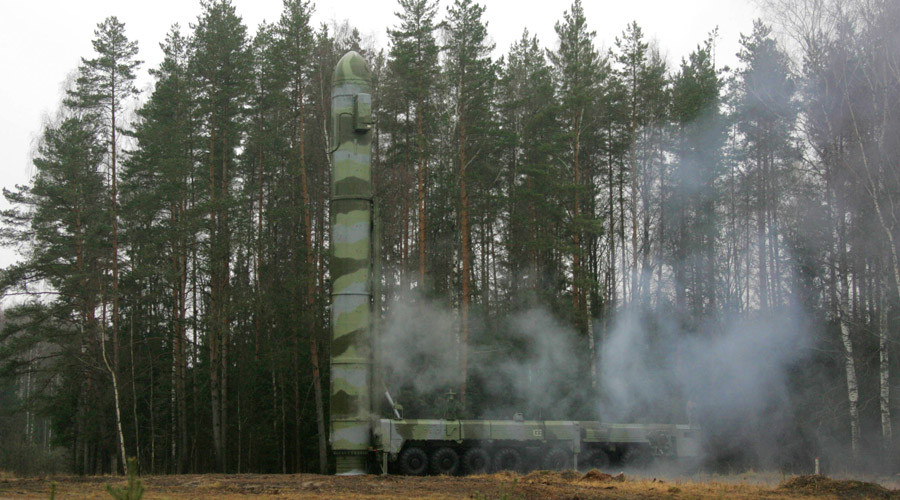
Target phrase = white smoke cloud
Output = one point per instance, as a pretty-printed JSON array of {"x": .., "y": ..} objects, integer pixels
[{"x": 730, "y": 375}]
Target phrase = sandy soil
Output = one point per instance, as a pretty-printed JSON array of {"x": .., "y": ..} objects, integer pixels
[{"x": 503, "y": 486}]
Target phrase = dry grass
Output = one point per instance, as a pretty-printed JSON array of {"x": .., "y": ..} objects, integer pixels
[
  {"x": 566, "y": 485},
  {"x": 846, "y": 488}
]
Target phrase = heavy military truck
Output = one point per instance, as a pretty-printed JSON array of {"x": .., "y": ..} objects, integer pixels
[
  {"x": 418, "y": 447},
  {"x": 361, "y": 440}
]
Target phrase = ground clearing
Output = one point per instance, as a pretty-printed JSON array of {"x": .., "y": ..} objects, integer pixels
[{"x": 503, "y": 486}]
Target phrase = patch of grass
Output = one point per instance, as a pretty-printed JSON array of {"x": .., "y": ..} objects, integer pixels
[
  {"x": 846, "y": 488},
  {"x": 504, "y": 495}
]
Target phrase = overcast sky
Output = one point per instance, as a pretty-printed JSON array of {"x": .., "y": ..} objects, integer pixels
[{"x": 41, "y": 42}]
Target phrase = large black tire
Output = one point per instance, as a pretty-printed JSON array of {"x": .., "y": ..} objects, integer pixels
[
  {"x": 508, "y": 459},
  {"x": 476, "y": 461},
  {"x": 557, "y": 459},
  {"x": 413, "y": 461},
  {"x": 445, "y": 461},
  {"x": 594, "y": 459}
]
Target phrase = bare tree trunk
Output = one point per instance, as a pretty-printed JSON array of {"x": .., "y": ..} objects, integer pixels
[
  {"x": 420, "y": 174},
  {"x": 612, "y": 232},
  {"x": 884, "y": 372},
  {"x": 214, "y": 321},
  {"x": 646, "y": 270},
  {"x": 320, "y": 411},
  {"x": 661, "y": 233},
  {"x": 257, "y": 333},
  {"x": 134, "y": 396},
  {"x": 576, "y": 230},
  {"x": 761, "y": 246},
  {"x": 464, "y": 236},
  {"x": 152, "y": 423},
  {"x": 404, "y": 246},
  {"x": 113, "y": 366},
  {"x": 622, "y": 256},
  {"x": 846, "y": 341},
  {"x": 635, "y": 171},
  {"x": 223, "y": 313},
  {"x": 115, "y": 383},
  {"x": 852, "y": 386},
  {"x": 874, "y": 184},
  {"x": 194, "y": 329},
  {"x": 115, "y": 234}
]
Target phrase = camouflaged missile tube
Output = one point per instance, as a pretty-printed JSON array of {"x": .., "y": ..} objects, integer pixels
[{"x": 351, "y": 266}]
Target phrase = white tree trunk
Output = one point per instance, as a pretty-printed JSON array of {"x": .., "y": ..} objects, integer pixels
[
  {"x": 852, "y": 386},
  {"x": 115, "y": 386}
]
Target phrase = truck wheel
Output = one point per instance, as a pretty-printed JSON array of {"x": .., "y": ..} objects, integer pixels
[
  {"x": 476, "y": 461},
  {"x": 508, "y": 459},
  {"x": 596, "y": 459},
  {"x": 445, "y": 461},
  {"x": 557, "y": 459},
  {"x": 413, "y": 461}
]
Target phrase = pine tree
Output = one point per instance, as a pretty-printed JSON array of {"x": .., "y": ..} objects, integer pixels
[
  {"x": 103, "y": 85},
  {"x": 413, "y": 63},
  {"x": 642, "y": 72},
  {"x": 470, "y": 75},
  {"x": 64, "y": 218},
  {"x": 766, "y": 117},
  {"x": 159, "y": 219},
  {"x": 536, "y": 197},
  {"x": 579, "y": 73},
  {"x": 700, "y": 135},
  {"x": 220, "y": 63},
  {"x": 295, "y": 44}
]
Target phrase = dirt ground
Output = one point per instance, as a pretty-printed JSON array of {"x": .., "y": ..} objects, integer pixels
[{"x": 568, "y": 485}]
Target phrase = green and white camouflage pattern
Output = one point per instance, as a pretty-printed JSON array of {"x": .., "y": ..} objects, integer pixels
[
  {"x": 671, "y": 440},
  {"x": 395, "y": 433},
  {"x": 667, "y": 440},
  {"x": 351, "y": 265}
]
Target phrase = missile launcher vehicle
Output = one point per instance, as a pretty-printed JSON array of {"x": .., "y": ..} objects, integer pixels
[
  {"x": 361, "y": 439},
  {"x": 421, "y": 446}
]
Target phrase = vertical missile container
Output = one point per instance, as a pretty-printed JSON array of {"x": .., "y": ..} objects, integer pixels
[{"x": 351, "y": 267}]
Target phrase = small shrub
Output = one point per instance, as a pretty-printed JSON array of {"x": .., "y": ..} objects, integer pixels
[
  {"x": 134, "y": 490},
  {"x": 22, "y": 459}
]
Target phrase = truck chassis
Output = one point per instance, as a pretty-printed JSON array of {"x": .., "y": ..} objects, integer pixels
[{"x": 431, "y": 446}]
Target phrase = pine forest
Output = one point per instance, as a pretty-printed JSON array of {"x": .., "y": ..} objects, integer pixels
[{"x": 566, "y": 230}]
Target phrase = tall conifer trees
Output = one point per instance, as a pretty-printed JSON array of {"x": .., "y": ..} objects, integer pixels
[
  {"x": 470, "y": 75},
  {"x": 578, "y": 73},
  {"x": 221, "y": 64},
  {"x": 413, "y": 63}
]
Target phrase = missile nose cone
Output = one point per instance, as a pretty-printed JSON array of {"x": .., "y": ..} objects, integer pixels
[{"x": 351, "y": 68}]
